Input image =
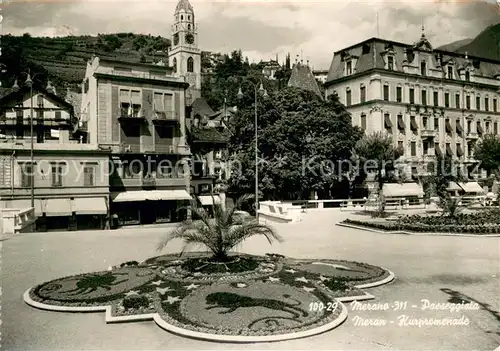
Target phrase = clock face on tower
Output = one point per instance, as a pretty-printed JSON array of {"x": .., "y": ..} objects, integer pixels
[
  {"x": 176, "y": 38},
  {"x": 189, "y": 38}
]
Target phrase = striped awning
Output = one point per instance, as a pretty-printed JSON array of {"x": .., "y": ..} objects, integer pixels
[
  {"x": 387, "y": 121},
  {"x": 401, "y": 123},
  {"x": 151, "y": 195},
  {"x": 452, "y": 186},
  {"x": 413, "y": 124},
  {"x": 56, "y": 207},
  {"x": 89, "y": 206},
  {"x": 208, "y": 200},
  {"x": 402, "y": 190},
  {"x": 471, "y": 187}
]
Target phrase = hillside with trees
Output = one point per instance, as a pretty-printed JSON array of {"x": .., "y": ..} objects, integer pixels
[
  {"x": 485, "y": 45},
  {"x": 63, "y": 59}
]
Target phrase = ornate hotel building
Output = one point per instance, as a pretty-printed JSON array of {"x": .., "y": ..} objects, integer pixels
[{"x": 431, "y": 102}]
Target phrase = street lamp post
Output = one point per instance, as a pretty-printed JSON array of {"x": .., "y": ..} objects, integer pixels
[
  {"x": 29, "y": 82},
  {"x": 240, "y": 96}
]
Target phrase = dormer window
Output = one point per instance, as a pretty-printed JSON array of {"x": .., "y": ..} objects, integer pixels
[
  {"x": 467, "y": 76},
  {"x": 450, "y": 72},
  {"x": 348, "y": 67},
  {"x": 423, "y": 68},
  {"x": 390, "y": 63}
]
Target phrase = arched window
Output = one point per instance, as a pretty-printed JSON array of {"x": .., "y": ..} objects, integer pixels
[
  {"x": 174, "y": 65},
  {"x": 190, "y": 65},
  {"x": 182, "y": 18}
]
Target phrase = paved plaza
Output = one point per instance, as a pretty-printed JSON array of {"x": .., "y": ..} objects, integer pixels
[{"x": 437, "y": 268}]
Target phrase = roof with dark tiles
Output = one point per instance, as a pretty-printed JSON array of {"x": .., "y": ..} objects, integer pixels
[
  {"x": 302, "y": 77},
  {"x": 369, "y": 55},
  {"x": 201, "y": 108}
]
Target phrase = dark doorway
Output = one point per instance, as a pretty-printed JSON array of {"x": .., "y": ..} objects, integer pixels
[{"x": 148, "y": 212}]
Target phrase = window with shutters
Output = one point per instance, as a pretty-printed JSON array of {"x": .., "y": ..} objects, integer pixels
[
  {"x": 386, "y": 92},
  {"x": 130, "y": 103},
  {"x": 89, "y": 175},
  {"x": 57, "y": 175},
  {"x": 423, "y": 68},
  {"x": 163, "y": 105},
  {"x": 390, "y": 63},
  {"x": 399, "y": 94},
  {"x": 348, "y": 96},
  {"x": 424, "y": 97},
  {"x": 27, "y": 175},
  {"x": 362, "y": 93},
  {"x": 348, "y": 66}
]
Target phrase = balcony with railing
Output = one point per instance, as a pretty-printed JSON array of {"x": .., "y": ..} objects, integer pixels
[
  {"x": 132, "y": 118},
  {"x": 472, "y": 136},
  {"x": 152, "y": 181},
  {"x": 428, "y": 133},
  {"x": 165, "y": 118}
]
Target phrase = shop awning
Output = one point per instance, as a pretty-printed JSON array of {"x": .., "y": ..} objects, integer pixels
[
  {"x": 89, "y": 206},
  {"x": 56, "y": 207},
  {"x": 471, "y": 187},
  {"x": 207, "y": 200},
  {"x": 402, "y": 190},
  {"x": 152, "y": 195},
  {"x": 452, "y": 186}
]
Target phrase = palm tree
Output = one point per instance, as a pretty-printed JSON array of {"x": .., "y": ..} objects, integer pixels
[{"x": 219, "y": 234}]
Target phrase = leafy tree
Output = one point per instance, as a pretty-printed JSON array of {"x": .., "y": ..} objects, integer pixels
[
  {"x": 221, "y": 233},
  {"x": 302, "y": 140},
  {"x": 444, "y": 172},
  {"x": 488, "y": 152},
  {"x": 376, "y": 151}
]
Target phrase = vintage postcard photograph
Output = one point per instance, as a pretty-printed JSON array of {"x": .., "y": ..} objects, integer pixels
[{"x": 261, "y": 175}]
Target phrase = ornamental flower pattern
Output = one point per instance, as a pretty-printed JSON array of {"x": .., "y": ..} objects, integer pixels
[{"x": 271, "y": 300}]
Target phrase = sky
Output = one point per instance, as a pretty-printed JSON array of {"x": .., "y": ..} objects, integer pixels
[{"x": 313, "y": 30}]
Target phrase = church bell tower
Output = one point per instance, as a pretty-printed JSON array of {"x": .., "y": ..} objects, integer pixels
[{"x": 184, "y": 55}]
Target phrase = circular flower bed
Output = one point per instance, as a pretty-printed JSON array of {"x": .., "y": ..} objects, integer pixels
[{"x": 248, "y": 296}]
